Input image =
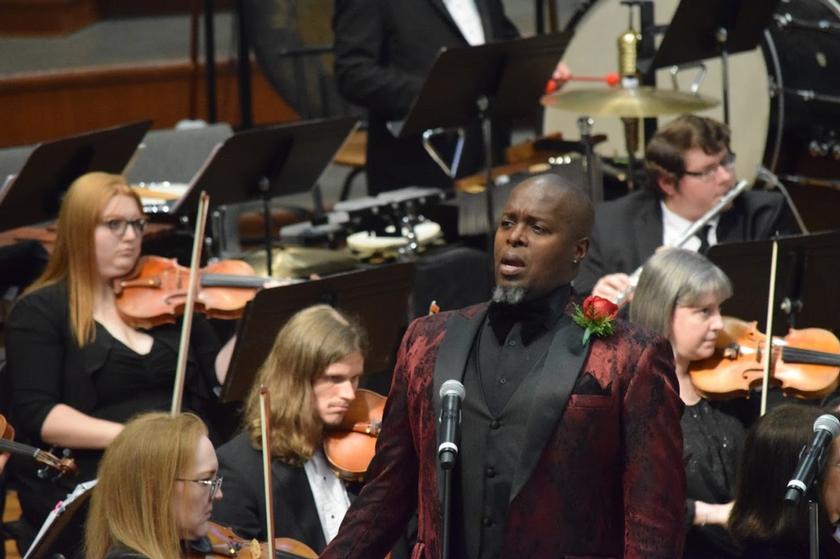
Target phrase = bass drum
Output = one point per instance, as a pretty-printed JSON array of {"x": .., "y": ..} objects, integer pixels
[{"x": 783, "y": 108}]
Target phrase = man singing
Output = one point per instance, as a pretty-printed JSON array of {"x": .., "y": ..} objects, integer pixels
[{"x": 567, "y": 448}]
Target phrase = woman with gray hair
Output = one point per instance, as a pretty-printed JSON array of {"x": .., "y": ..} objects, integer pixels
[{"x": 679, "y": 296}]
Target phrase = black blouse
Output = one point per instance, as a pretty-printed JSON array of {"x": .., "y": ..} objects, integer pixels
[
  {"x": 104, "y": 379},
  {"x": 712, "y": 443}
]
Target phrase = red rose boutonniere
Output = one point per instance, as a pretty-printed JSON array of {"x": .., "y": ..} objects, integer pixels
[{"x": 596, "y": 316}]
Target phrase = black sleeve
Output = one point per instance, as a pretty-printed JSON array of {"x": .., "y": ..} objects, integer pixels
[
  {"x": 363, "y": 77},
  {"x": 205, "y": 343},
  {"x": 35, "y": 348},
  {"x": 241, "y": 505}
]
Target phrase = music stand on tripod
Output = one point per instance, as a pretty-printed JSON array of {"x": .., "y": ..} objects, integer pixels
[
  {"x": 267, "y": 162},
  {"x": 34, "y": 195},
  {"x": 702, "y": 29},
  {"x": 485, "y": 82}
]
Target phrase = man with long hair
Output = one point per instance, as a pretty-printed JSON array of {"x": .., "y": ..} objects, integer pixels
[{"x": 312, "y": 373}]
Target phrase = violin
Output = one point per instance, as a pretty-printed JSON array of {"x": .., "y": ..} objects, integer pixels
[
  {"x": 62, "y": 465},
  {"x": 223, "y": 542},
  {"x": 350, "y": 446},
  {"x": 155, "y": 292},
  {"x": 805, "y": 363}
]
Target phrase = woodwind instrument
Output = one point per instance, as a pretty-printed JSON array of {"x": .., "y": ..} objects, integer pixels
[{"x": 690, "y": 232}]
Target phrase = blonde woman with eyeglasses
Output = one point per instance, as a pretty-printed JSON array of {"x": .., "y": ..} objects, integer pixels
[
  {"x": 157, "y": 484},
  {"x": 77, "y": 370}
]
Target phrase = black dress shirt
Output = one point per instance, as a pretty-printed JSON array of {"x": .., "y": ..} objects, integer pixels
[{"x": 513, "y": 340}]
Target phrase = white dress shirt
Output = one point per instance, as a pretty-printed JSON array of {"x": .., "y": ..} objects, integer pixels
[
  {"x": 330, "y": 495},
  {"x": 673, "y": 227},
  {"x": 465, "y": 14}
]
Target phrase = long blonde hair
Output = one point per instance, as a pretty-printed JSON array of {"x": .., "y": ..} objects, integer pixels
[
  {"x": 310, "y": 341},
  {"x": 74, "y": 257},
  {"x": 132, "y": 503}
]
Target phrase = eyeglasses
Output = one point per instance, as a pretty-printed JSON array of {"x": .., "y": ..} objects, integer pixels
[
  {"x": 728, "y": 162},
  {"x": 214, "y": 483},
  {"x": 118, "y": 226}
]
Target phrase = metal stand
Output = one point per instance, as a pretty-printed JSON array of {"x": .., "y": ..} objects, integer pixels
[
  {"x": 483, "y": 105},
  {"x": 593, "y": 171},
  {"x": 447, "y": 499},
  {"x": 721, "y": 37},
  {"x": 264, "y": 186},
  {"x": 813, "y": 529}
]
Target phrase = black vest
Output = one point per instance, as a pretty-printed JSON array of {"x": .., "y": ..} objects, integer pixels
[{"x": 490, "y": 445}]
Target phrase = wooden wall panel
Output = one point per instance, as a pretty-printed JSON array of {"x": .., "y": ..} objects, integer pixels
[
  {"x": 37, "y": 107},
  {"x": 38, "y": 17}
]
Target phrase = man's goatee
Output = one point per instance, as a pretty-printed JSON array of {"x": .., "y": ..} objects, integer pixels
[{"x": 508, "y": 295}]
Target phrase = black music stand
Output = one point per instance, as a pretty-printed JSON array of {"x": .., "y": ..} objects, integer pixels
[
  {"x": 380, "y": 298},
  {"x": 59, "y": 535},
  {"x": 485, "y": 82},
  {"x": 34, "y": 195},
  {"x": 704, "y": 29},
  {"x": 806, "y": 281},
  {"x": 267, "y": 162}
]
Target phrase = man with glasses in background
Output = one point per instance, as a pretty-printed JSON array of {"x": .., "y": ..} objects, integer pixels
[{"x": 690, "y": 167}]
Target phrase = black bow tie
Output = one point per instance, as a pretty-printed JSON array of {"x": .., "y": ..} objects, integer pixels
[{"x": 503, "y": 317}]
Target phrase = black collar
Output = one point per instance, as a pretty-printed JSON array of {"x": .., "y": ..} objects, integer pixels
[{"x": 536, "y": 315}]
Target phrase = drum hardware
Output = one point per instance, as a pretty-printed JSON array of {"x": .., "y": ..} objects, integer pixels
[
  {"x": 159, "y": 197},
  {"x": 772, "y": 181},
  {"x": 628, "y": 43},
  {"x": 368, "y": 213},
  {"x": 694, "y": 88},
  {"x": 789, "y": 21},
  {"x": 593, "y": 171},
  {"x": 640, "y": 102}
]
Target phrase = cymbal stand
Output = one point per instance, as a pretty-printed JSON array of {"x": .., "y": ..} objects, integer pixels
[
  {"x": 593, "y": 170},
  {"x": 721, "y": 36},
  {"x": 487, "y": 131}
]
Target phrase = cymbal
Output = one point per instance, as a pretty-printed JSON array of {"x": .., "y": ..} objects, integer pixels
[{"x": 638, "y": 102}]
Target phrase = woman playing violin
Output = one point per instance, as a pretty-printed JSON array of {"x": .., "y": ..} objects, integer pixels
[
  {"x": 679, "y": 295},
  {"x": 312, "y": 374},
  {"x": 157, "y": 483},
  {"x": 78, "y": 371}
]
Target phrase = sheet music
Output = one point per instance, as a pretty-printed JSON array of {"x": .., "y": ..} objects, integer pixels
[{"x": 59, "y": 509}]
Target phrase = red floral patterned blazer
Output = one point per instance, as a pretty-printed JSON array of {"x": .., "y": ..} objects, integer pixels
[{"x": 601, "y": 478}]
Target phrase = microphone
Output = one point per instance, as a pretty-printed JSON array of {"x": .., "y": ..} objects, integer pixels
[
  {"x": 451, "y": 394},
  {"x": 812, "y": 457}
]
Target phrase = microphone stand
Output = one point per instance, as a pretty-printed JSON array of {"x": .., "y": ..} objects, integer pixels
[
  {"x": 813, "y": 526},
  {"x": 447, "y": 497}
]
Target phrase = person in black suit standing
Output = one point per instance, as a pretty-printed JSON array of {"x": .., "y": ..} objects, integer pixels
[
  {"x": 690, "y": 167},
  {"x": 383, "y": 51},
  {"x": 312, "y": 373}
]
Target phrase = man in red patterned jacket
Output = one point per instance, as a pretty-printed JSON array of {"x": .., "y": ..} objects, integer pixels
[{"x": 568, "y": 449}]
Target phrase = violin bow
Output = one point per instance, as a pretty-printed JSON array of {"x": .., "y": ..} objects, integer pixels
[
  {"x": 192, "y": 288},
  {"x": 265, "y": 433},
  {"x": 767, "y": 358}
]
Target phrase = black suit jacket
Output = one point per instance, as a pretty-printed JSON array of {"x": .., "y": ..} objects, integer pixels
[
  {"x": 383, "y": 51},
  {"x": 242, "y": 507},
  {"x": 628, "y": 230}
]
